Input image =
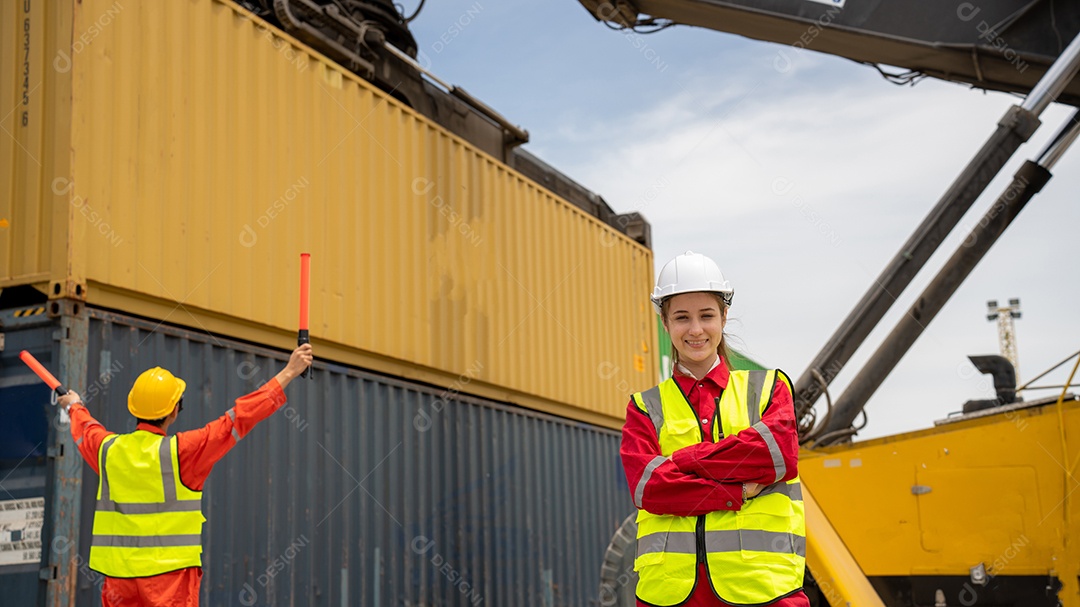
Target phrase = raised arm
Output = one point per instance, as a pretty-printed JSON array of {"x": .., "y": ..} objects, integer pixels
[{"x": 201, "y": 448}]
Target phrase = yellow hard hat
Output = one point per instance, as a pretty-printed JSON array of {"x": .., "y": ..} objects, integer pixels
[{"x": 155, "y": 394}]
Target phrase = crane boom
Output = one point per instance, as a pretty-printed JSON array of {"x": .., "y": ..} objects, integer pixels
[{"x": 1003, "y": 45}]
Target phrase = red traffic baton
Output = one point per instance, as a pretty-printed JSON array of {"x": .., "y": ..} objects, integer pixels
[
  {"x": 42, "y": 372},
  {"x": 302, "y": 336}
]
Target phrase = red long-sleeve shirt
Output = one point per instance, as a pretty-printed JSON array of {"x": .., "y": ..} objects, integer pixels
[
  {"x": 198, "y": 451},
  {"x": 708, "y": 477}
]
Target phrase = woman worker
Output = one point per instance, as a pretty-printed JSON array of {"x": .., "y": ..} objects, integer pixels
[{"x": 711, "y": 459}]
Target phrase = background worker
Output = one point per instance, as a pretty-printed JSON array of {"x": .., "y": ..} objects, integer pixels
[
  {"x": 148, "y": 521},
  {"x": 711, "y": 459}
]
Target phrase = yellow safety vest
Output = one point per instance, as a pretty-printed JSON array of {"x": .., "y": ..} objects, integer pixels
[
  {"x": 754, "y": 555},
  {"x": 146, "y": 522}
]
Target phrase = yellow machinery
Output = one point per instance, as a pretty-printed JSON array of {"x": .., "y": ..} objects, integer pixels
[{"x": 978, "y": 506}]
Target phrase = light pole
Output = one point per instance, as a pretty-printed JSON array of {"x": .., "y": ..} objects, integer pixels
[{"x": 1004, "y": 316}]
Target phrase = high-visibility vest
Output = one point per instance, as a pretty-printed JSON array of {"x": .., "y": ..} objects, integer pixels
[
  {"x": 146, "y": 522},
  {"x": 754, "y": 555}
]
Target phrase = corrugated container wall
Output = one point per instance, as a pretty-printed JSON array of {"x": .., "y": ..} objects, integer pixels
[
  {"x": 361, "y": 490},
  {"x": 178, "y": 156}
]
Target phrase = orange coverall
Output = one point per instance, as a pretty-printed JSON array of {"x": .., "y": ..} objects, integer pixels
[{"x": 198, "y": 451}]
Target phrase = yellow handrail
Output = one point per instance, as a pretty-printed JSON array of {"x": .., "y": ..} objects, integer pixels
[{"x": 835, "y": 570}]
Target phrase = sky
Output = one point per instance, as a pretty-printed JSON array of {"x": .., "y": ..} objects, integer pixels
[{"x": 802, "y": 182}]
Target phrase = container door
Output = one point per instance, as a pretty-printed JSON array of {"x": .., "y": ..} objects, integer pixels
[{"x": 26, "y": 411}]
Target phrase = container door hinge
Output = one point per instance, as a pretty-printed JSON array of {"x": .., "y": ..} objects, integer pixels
[
  {"x": 47, "y": 573},
  {"x": 55, "y": 452}
]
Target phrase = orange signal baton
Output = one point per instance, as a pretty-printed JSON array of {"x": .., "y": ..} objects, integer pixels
[
  {"x": 42, "y": 372},
  {"x": 303, "y": 336}
]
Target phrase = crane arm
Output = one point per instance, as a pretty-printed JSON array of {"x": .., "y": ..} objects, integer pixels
[{"x": 1002, "y": 45}]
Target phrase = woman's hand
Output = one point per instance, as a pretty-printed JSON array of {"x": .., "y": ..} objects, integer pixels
[{"x": 752, "y": 490}]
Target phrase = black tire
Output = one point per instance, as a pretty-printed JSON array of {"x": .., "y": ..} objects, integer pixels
[{"x": 618, "y": 580}]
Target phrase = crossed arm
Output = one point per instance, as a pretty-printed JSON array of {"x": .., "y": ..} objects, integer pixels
[{"x": 709, "y": 476}]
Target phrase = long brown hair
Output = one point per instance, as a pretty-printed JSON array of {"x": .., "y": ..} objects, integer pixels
[{"x": 722, "y": 349}]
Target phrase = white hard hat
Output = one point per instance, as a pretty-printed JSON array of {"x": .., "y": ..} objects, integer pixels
[{"x": 689, "y": 273}]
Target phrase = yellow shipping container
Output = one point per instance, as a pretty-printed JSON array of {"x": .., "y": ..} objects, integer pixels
[{"x": 172, "y": 159}]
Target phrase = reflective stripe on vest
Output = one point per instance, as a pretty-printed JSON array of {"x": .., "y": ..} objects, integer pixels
[
  {"x": 754, "y": 555},
  {"x": 685, "y": 542},
  {"x": 146, "y": 522},
  {"x": 146, "y": 541}
]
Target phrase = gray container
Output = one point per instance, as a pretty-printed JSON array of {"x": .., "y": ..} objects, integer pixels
[{"x": 362, "y": 490}]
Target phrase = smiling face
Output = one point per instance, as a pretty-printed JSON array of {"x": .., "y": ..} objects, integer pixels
[{"x": 695, "y": 322}]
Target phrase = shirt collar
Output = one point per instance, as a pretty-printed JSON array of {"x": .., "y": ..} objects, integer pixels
[
  {"x": 718, "y": 373},
  {"x": 150, "y": 428},
  {"x": 687, "y": 372}
]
